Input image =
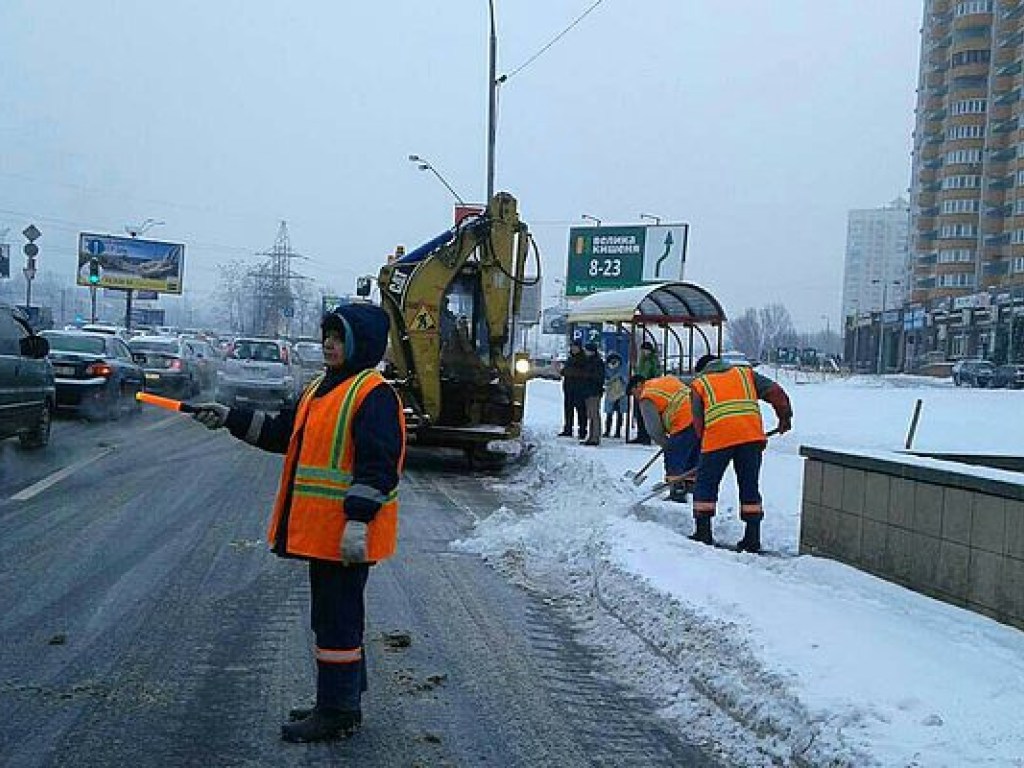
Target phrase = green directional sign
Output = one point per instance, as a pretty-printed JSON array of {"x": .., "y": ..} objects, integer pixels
[
  {"x": 608, "y": 258},
  {"x": 604, "y": 258}
]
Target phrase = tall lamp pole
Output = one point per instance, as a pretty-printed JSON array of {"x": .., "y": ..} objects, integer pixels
[
  {"x": 881, "y": 321},
  {"x": 492, "y": 104}
]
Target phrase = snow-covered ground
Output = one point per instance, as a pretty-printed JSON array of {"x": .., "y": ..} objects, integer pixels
[{"x": 775, "y": 660}]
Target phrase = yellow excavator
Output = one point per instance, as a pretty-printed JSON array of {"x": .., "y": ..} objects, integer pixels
[{"x": 453, "y": 304}]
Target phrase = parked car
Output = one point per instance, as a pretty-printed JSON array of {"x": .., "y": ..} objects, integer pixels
[
  {"x": 310, "y": 359},
  {"x": 94, "y": 373},
  {"x": 27, "y": 393},
  {"x": 545, "y": 368},
  {"x": 1009, "y": 376},
  {"x": 169, "y": 366},
  {"x": 972, "y": 373},
  {"x": 258, "y": 373}
]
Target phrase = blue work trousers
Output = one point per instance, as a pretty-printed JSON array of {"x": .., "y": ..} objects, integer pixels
[
  {"x": 682, "y": 452},
  {"x": 746, "y": 463},
  {"x": 337, "y": 616}
]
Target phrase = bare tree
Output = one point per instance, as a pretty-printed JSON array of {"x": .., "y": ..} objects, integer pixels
[
  {"x": 744, "y": 334},
  {"x": 234, "y": 291},
  {"x": 757, "y": 332}
]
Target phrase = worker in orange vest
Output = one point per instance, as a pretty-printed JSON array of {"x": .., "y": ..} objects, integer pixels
[
  {"x": 664, "y": 404},
  {"x": 337, "y": 501},
  {"x": 726, "y": 415}
]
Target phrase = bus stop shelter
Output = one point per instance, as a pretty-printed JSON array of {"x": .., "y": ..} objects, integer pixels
[{"x": 683, "y": 320}]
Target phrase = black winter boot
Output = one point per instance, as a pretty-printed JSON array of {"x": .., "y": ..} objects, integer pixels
[
  {"x": 323, "y": 725},
  {"x": 703, "y": 532},
  {"x": 300, "y": 713},
  {"x": 751, "y": 541},
  {"x": 608, "y": 425},
  {"x": 618, "y": 425}
]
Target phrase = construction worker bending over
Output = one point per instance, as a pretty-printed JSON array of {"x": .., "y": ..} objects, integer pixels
[
  {"x": 727, "y": 417},
  {"x": 664, "y": 404},
  {"x": 337, "y": 501}
]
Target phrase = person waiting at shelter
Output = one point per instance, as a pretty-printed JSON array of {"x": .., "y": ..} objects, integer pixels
[
  {"x": 591, "y": 389},
  {"x": 727, "y": 418},
  {"x": 616, "y": 399},
  {"x": 647, "y": 367},
  {"x": 573, "y": 404},
  {"x": 664, "y": 404}
]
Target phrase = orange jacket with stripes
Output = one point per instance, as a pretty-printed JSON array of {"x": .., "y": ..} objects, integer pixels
[
  {"x": 672, "y": 399},
  {"x": 732, "y": 415},
  {"x": 320, "y": 458}
]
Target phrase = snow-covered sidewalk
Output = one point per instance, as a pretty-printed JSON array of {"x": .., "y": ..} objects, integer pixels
[{"x": 775, "y": 660}]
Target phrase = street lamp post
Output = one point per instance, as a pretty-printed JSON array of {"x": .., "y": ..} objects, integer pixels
[
  {"x": 881, "y": 321},
  {"x": 652, "y": 217},
  {"x": 424, "y": 165},
  {"x": 588, "y": 217}
]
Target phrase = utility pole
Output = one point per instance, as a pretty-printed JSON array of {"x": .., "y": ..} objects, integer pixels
[{"x": 492, "y": 104}]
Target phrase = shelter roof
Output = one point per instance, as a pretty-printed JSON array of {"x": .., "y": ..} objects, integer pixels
[{"x": 676, "y": 302}]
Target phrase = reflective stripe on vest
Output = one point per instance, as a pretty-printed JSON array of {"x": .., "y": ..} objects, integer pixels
[
  {"x": 732, "y": 415},
  {"x": 320, "y": 469},
  {"x": 672, "y": 399}
]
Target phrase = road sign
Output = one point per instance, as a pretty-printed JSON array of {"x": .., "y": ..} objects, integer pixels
[
  {"x": 608, "y": 258},
  {"x": 30, "y": 249},
  {"x": 31, "y": 232}
]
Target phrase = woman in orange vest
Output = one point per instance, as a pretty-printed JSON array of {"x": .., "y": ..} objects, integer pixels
[
  {"x": 727, "y": 417},
  {"x": 337, "y": 501},
  {"x": 664, "y": 405}
]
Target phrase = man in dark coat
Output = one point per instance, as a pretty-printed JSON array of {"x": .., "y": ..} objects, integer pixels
[{"x": 573, "y": 405}]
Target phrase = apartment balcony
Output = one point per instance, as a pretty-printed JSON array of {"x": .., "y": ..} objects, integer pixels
[
  {"x": 995, "y": 268},
  {"x": 1004, "y": 126},
  {"x": 1002, "y": 155},
  {"x": 1002, "y": 238},
  {"x": 1011, "y": 40},
  {"x": 1007, "y": 70},
  {"x": 999, "y": 211},
  {"x": 1011, "y": 97},
  {"x": 1000, "y": 182}
]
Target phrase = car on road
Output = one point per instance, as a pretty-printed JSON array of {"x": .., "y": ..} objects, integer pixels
[
  {"x": 207, "y": 360},
  {"x": 1009, "y": 376},
  {"x": 972, "y": 373},
  {"x": 258, "y": 373},
  {"x": 310, "y": 360},
  {"x": 27, "y": 392},
  {"x": 94, "y": 373},
  {"x": 169, "y": 366}
]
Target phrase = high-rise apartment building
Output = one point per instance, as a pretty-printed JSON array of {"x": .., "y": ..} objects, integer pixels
[
  {"x": 967, "y": 189},
  {"x": 875, "y": 268}
]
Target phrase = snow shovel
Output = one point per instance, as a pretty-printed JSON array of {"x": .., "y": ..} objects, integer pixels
[{"x": 639, "y": 477}]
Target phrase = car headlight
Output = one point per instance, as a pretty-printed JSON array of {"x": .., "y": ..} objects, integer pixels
[{"x": 522, "y": 366}]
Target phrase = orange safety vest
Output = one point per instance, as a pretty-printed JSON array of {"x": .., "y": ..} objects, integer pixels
[
  {"x": 322, "y": 471},
  {"x": 732, "y": 415},
  {"x": 672, "y": 399}
]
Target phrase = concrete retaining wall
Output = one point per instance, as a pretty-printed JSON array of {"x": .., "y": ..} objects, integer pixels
[{"x": 943, "y": 529}]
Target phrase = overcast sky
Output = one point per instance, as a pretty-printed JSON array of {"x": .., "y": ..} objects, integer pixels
[{"x": 759, "y": 122}]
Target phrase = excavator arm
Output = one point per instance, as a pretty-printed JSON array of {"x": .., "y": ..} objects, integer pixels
[{"x": 453, "y": 303}]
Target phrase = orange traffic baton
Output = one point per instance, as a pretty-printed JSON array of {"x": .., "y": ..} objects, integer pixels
[{"x": 165, "y": 402}]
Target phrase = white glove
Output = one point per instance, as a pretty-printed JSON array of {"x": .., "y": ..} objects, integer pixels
[
  {"x": 211, "y": 415},
  {"x": 353, "y": 543}
]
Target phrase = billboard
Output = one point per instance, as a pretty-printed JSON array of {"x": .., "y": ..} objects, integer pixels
[
  {"x": 131, "y": 264},
  {"x": 608, "y": 258}
]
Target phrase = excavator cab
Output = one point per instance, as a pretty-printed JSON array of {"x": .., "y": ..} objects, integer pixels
[{"x": 453, "y": 304}]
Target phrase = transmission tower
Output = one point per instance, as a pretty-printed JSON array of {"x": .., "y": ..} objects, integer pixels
[{"x": 275, "y": 299}]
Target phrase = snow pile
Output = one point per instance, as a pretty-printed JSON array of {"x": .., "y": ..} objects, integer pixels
[{"x": 770, "y": 660}]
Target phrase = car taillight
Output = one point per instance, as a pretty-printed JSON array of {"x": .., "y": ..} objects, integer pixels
[
  {"x": 174, "y": 364},
  {"x": 99, "y": 369}
]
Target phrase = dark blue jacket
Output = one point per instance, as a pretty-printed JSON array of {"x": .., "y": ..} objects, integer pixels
[{"x": 375, "y": 427}]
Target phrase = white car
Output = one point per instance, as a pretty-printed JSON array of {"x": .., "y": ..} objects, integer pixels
[{"x": 259, "y": 373}]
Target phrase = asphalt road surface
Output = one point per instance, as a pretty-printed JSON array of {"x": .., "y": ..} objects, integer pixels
[{"x": 144, "y": 623}]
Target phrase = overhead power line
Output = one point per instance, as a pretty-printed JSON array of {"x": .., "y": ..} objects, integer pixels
[{"x": 555, "y": 39}]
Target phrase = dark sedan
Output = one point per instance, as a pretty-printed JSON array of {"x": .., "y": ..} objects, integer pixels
[
  {"x": 1010, "y": 376},
  {"x": 169, "y": 366},
  {"x": 94, "y": 373}
]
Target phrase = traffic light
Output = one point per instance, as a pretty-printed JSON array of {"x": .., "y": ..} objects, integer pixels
[{"x": 94, "y": 271}]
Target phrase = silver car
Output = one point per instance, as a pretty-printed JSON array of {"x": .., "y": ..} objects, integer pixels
[{"x": 258, "y": 373}]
